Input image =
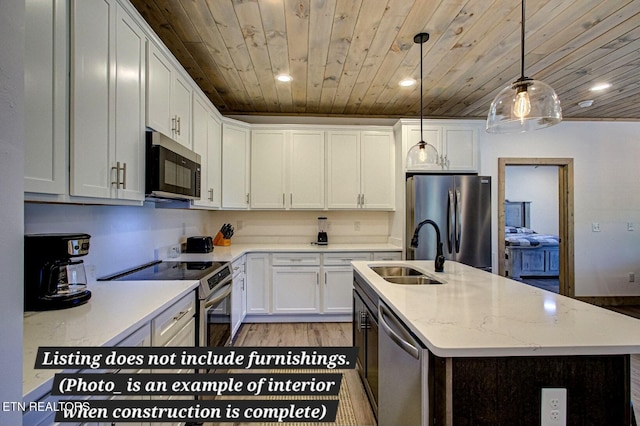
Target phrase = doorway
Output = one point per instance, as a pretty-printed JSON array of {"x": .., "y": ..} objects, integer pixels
[{"x": 565, "y": 216}]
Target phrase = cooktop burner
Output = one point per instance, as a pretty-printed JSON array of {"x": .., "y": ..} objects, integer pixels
[{"x": 167, "y": 271}]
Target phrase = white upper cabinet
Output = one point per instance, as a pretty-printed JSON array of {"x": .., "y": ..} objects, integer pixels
[
  {"x": 306, "y": 170},
  {"x": 287, "y": 169},
  {"x": 455, "y": 141},
  {"x": 235, "y": 165},
  {"x": 107, "y": 102},
  {"x": 46, "y": 94},
  {"x": 169, "y": 98},
  {"x": 207, "y": 138},
  {"x": 268, "y": 169},
  {"x": 361, "y": 170}
]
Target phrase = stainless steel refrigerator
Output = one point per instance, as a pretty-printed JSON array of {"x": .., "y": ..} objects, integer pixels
[{"x": 461, "y": 207}]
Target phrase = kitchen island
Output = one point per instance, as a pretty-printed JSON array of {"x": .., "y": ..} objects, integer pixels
[{"x": 494, "y": 344}]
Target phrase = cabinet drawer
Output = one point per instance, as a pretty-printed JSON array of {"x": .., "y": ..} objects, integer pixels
[
  {"x": 345, "y": 258},
  {"x": 167, "y": 324},
  {"x": 238, "y": 266},
  {"x": 295, "y": 259},
  {"x": 387, "y": 255}
]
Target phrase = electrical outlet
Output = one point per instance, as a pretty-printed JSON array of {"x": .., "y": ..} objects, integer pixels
[
  {"x": 632, "y": 277},
  {"x": 553, "y": 407},
  {"x": 174, "y": 251},
  {"x": 356, "y": 225},
  {"x": 239, "y": 225},
  {"x": 595, "y": 227},
  {"x": 631, "y": 226}
]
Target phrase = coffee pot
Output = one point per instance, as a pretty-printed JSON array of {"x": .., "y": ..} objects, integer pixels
[{"x": 54, "y": 277}]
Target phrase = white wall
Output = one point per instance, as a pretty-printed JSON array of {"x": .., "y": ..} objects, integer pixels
[
  {"x": 539, "y": 185},
  {"x": 11, "y": 194},
  {"x": 606, "y": 190},
  {"x": 121, "y": 236}
]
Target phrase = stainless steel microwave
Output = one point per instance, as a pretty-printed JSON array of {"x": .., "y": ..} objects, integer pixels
[{"x": 173, "y": 171}]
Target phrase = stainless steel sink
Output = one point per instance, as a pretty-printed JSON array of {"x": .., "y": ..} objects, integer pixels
[
  {"x": 404, "y": 275},
  {"x": 413, "y": 280},
  {"x": 395, "y": 271}
]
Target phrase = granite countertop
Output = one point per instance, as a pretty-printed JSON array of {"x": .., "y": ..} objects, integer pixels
[
  {"x": 479, "y": 314},
  {"x": 116, "y": 309},
  {"x": 234, "y": 251}
]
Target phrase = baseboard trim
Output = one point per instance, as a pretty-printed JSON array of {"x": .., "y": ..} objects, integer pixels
[
  {"x": 299, "y": 318},
  {"x": 610, "y": 300}
]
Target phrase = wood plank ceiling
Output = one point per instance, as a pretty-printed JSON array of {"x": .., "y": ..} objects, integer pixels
[{"x": 347, "y": 57}]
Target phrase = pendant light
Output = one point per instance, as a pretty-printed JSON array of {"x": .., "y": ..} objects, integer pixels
[
  {"x": 422, "y": 154},
  {"x": 524, "y": 105}
]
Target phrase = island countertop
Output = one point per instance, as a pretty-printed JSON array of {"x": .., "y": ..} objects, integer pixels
[{"x": 478, "y": 314}]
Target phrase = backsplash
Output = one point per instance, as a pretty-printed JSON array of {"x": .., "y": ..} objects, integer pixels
[
  {"x": 302, "y": 226},
  {"x": 123, "y": 237}
]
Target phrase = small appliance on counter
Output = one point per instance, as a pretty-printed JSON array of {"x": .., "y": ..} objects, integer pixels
[
  {"x": 223, "y": 237},
  {"x": 323, "y": 239},
  {"x": 54, "y": 277},
  {"x": 200, "y": 244}
]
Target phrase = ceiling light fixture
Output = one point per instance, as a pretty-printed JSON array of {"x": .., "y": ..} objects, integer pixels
[
  {"x": 585, "y": 104},
  {"x": 407, "y": 82},
  {"x": 285, "y": 78},
  {"x": 421, "y": 154},
  {"x": 601, "y": 86},
  {"x": 524, "y": 105}
]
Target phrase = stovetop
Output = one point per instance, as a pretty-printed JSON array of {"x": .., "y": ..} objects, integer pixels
[{"x": 167, "y": 271}]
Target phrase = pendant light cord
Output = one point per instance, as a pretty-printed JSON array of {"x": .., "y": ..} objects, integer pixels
[
  {"x": 421, "y": 108},
  {"x": 522, "y": 77}
]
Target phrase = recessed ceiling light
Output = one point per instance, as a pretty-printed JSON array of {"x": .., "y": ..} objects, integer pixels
[
  {"x": 600, "y": 87},
  {"x": 585, "y": 104},
  {"x": 285, "y": 78},
  {"x": 407, "y": 82}
]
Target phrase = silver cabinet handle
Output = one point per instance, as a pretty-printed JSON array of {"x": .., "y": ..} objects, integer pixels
[
  {"x": 364, "y": 321},
  {"x": 247, "y": 198},
  {"x": 174, "y": 124},
  {"x": 362, "y": 202},
  {"x": 291, "y": 199},
  {"x": 117, "y": 181},
  {"x": 325, "y": 278},
  {"x": 179, "y": 127},
  {"x": 283, "y": 199},
  {"x": 180, "y": 315},
  {"x": 210, "y": 194},
  {"x": 317, "y": 278},
  {"x": 124, "y": 175}
]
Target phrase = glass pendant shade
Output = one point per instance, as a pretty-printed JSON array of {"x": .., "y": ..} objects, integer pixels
[
  {"x": 420, "y": 155},
  {"x": 523, "y": 106}
]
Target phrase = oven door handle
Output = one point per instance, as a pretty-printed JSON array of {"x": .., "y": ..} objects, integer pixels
[{"x": 217, "y": 299}]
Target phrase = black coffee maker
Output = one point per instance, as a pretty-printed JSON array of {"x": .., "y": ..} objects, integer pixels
[{"x": 54, "y": 277}]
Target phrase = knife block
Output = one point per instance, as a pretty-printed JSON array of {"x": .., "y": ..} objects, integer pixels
[{"x": 220, "y": 241}]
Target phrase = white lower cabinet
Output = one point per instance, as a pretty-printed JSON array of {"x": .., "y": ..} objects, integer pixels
[
  {"x": 296, "y": 289},
  {"x": 238, "y": 295},
  {"x": 310, "y": 285},
  {"x": 258, "y": 284}
]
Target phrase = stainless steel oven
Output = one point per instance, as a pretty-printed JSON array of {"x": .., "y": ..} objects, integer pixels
[
  {"x": 215, "y": 309},
  {"x": 214, "y": 293}
]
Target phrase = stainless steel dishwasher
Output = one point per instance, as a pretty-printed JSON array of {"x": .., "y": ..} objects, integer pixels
[{"x": 403, "y": 394}]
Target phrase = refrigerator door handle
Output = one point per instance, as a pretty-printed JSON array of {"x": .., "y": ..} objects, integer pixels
[
  {"x": 450, "y": 222},
  {"x": 458, "y": 219}
]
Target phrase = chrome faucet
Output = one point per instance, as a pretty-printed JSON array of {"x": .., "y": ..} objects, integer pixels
[{"x": 439, "y": 253}]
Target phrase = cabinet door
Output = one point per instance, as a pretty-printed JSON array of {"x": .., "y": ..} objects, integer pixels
[
  {"x": 306, "y": 170},
  {"x": 343, "y": 170},
  {"x": 238, "y": 303},
  {"x": 214, "y": 160},
  {"x": 181, "y": 110},
  {"x": 235, "y": 167},
  {"x": 267, "y": 169},
  {"x": 258, "y": 287},
  {"x": 461, "y": 149},
  {"x": 296, "y": 290},
  {"x": 159, "y": 80},
  {"x": 45, "y": 96},
  {"x": 378, "y": 172},
  {"x": 130, "y": 107},
  {"x": 92, "y": 107},
  {"x": 338, "y": 285},
  {"x": 201, "y": 146}
]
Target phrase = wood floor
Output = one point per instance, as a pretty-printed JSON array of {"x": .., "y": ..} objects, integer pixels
[{"x": 308, "y": 334}]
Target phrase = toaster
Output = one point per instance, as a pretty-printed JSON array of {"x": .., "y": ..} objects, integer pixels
[{"x": 202, "y": 244}]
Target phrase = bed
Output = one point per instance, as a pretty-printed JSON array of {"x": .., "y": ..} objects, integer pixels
[{"x": 527, "y": 252}]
